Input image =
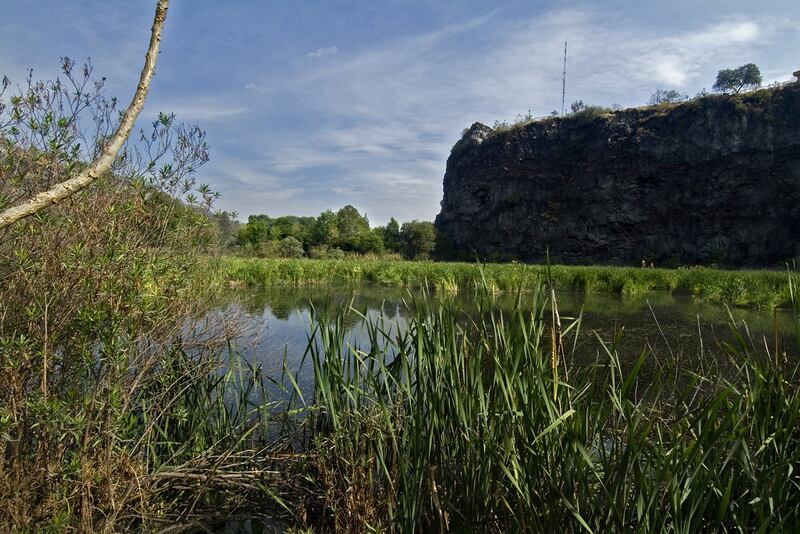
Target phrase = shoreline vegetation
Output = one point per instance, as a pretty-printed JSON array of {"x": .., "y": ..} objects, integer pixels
[
  {"x": 742, "y": 288},
  {"x": 128, "y": 402},
  {"x": 484, "y": 425}
]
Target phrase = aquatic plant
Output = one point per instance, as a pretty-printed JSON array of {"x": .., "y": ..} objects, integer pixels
[
  {"x": 479, "y": 424},
  {"x": 762, "y": 288}
]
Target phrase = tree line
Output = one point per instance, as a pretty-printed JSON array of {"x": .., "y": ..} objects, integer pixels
[{"x": 331, "y": 234}]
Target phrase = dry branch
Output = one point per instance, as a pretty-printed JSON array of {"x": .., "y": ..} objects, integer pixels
[{"x": 102, "y": 163}]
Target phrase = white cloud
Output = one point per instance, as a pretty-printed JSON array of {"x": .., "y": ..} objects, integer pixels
[
  {"x": 261, "y": 89},
  {"x": 386, "y": 118},
  {"x": 323, "y": 52},
  {"x": 679, "y": 59},
  {"x": 204, "y": 110}
]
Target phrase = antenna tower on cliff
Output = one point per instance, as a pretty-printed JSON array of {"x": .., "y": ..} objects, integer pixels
[{"x": 564, "y": 80}]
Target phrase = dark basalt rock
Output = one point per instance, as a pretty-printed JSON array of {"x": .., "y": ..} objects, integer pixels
[{"x": 713, "y": 180}]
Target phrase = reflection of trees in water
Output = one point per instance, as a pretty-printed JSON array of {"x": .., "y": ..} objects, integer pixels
[
  {"x": 665, "y": 326},
  {"x": 286, "y": 301}
]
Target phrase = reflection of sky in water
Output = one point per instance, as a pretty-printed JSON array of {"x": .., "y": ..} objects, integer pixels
[{"x": 668, "y": 327}]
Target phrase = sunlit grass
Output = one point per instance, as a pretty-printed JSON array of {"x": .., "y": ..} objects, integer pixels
[{"x": 737, "y": 288}]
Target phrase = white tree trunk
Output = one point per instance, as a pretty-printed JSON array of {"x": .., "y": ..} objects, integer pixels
[{"x": 102, "y": 163}]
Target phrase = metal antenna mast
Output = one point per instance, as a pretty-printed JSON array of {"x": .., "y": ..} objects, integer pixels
[{"x": 564, "y": 80}]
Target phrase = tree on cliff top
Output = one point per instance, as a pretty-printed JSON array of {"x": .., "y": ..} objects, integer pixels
[
  {"x": 667, "y": 96},
  {"x": 734, "y": 80}
]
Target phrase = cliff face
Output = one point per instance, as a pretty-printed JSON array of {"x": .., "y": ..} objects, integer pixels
[{"x": 715, "y": 180}]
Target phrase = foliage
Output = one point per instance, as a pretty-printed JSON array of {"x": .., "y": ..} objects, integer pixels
[
  {"x": 290, "y": 247},
  {"x": 327, "y": 235},
  {"x": 481, "y": 424},
  {"x": 92, "y": 288},
  {"x": 418, "y": 239},
  {"x": 667, "y": 96},
  {"x": 227, "y": 226},
  {"x": 371, "y": 242},
  {"x": 736, "y": 288},
  {"x": 391, "y": 236},
  {"x": 351, "y": 226},
  {"x": 519, "y": 121},
  {"x": 735, "y": 80},
  {"x": 325, "y": 252},
  {"x": 326, "y": 229},
  {"x": 587, "y": 111}
]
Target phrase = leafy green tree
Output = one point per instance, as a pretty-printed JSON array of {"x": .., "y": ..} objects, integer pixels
[
  {"x": 371, "y": 242},
  {"x": 352, "y": 226},
  {"x": 391, "y": 236},
  {"x": 227, "y": 226},
  {"x": 667, "y": 96},
  {"x": 418, "y": 238},
  {"x": 325, "y": 230},
  {"x": 254, "y": 232},
  {"x": 290, "y": 226},
  {"x": 735, "y": 80},
  {"x": 290, "y": 247}
]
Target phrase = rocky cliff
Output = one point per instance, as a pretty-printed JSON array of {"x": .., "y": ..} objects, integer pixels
[{"x": 713, "y": 180}]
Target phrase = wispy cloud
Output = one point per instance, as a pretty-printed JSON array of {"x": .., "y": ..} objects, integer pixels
[
  {"x": 205, "y": 110},
  {"x": 261, "y": 89},
  {"x": 323, "y": 52},
  {"x": 295, "y": 128},
  {"x": 388, "y": 116}
]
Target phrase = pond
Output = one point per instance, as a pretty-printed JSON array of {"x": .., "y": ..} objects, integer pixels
[
  {"x": 273, "y": 326},
  {"x": 671, "y": 328}
]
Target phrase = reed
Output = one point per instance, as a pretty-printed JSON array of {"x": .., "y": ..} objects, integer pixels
[
  {"x": 463, "y": 423},
  {"x": 762, "y": 288}
]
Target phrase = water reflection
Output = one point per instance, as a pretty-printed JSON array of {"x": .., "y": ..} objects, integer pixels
[{"x": 668, "y": 327}]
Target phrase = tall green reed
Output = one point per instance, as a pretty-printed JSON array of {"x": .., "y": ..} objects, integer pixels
[{"x": 458, "y": 421}]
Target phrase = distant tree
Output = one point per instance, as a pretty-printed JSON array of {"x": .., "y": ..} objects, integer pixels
[
  {"x": 290, "y": 226},
  {"x": 325, "y": 230},
  {"x": 391, "y": 236},
  {"x": 577, "y": 106},
  {"x": 254, "y": 232},
  {"x": 352, "y": 226},
  {"x": 579, "y": 109},
  {"x": 667, "y": 96},
  {"x": 371, "y": 242},
  {"x": 290, "y": 247},
  {"x": 227, "y": 226},
  {"x": 418, "y": 238},
  {"x": 734, "y": 80}
]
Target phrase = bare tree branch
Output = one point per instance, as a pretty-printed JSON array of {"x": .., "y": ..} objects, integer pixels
[{"x": 102, "y": 163}]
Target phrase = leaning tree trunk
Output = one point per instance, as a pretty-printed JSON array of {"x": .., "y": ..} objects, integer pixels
[{"x": 102, "y": 163}]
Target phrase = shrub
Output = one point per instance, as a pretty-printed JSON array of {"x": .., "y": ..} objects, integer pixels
[{"x": 290, "y": 247}]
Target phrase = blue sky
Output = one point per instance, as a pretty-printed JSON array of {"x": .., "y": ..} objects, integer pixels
[{"x": 311, "y": 105}]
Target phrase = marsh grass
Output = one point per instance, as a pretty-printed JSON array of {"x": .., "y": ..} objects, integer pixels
[
  {"x": 474, "y": 422},
  {"x": 761, "y": 288}
]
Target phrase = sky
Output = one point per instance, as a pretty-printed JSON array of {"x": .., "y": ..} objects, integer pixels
[{"x": 313, "y": 104}]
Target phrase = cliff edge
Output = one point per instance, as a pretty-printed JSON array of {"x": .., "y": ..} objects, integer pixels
[{"x": 712, "y": 180}]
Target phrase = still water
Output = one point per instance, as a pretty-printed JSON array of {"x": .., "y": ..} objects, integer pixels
[{"x": 273, "y": 325}]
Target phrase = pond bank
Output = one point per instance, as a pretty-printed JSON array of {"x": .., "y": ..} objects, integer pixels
[{"x": 746, "y": 288}]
